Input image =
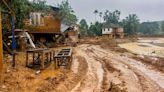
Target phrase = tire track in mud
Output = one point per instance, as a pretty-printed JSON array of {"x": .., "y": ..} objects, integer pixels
[
  {"x": 83, "y": 66},
  {"x": 146, "y": 84},
  {"x": 147, "y": 79},
  {"x": 111, "y": 73},
  {"x": 118, "y": 74},
  {"x": 106, "y": 84},
  {"x": 93, "y": 80}
]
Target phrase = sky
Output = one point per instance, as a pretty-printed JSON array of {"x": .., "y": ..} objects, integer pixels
[{"x": 146, "y": 10}]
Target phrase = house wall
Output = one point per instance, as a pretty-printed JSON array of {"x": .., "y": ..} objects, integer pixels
[
  {"x": 113, "y": 32},
  {"x": 43, "y": 24},
  {"x": 35, "y": 18},
  {"x": 107, "y": 30},
  {"x": 120, "y": 32},
  {"x": 108, "y": 36},
  {"x": 73, "y": 35}
]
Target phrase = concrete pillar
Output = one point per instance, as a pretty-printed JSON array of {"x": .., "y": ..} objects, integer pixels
[{"x": 1, "y": 48}]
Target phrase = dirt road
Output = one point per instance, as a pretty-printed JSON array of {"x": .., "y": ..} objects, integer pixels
[
  {"x": 115, "y": 72},
  {"x": 96, "y": 67}
]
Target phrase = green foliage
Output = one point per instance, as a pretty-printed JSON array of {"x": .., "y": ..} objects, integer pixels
[
  {"x": 162, "y": 26},
  {"x": 92, "y": 30},
  {"x": 112, "y": 17},
  {"x": 95, "y": 29},
  {"x": 66, "y": 12},
  {"x": 22, "y": 8},
  {"x": 149, "y": 28},
  {"x": 83, "y": 27},
  {"x": 130, "y": 24},
  {"x": 21, "y": 11},
  {"x": 40, "y": 5}
]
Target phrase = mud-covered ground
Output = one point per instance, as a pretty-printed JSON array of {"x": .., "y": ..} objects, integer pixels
[{"x": 98, "y": 66}]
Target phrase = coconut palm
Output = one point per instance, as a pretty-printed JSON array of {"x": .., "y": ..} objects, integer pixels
[
  {"x": 100, "y": 14},
  {"x": 95, "y": 12}
]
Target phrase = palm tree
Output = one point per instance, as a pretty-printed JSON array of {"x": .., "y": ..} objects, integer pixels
[
  {"x": 100, "y": 14},
  {"x": 95, "y": 12}
]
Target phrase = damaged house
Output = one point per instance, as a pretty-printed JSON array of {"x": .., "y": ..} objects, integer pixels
[
  {"x": 72, "y": 34},
  {"x": 112, "y": 31},
  {"x": 44, "y": 26}
]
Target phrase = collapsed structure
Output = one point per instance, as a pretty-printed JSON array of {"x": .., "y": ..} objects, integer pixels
[
  {"x": 41, "y": 28},
  {"x": 72, "y": 34},
  {"x": 112, "y": 31},
  {"x": 44, "y": 26}
]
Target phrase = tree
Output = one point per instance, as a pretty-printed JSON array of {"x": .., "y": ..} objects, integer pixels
[
  {"x": 22, "y": 8},
  {"x": 162, "y": 26},
  {"x": 95, "y": 29},
  {"x": 100, "y": 15},
  {"x": 40, "y": 5},
  {"x": 83, "y": 27},
  {"x": 95, "y": 12},
  {"x": 149, "y": 28},
  {"x": 112, "y": 17},
  {"x": 131, "y": 24},
  {"x": 66, "y": 12}
]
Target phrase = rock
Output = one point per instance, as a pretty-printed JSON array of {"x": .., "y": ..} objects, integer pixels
[{"x": 38, "y": 72}]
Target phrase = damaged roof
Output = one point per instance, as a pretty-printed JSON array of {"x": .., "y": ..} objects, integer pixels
[{"x": 110, "y": 25}]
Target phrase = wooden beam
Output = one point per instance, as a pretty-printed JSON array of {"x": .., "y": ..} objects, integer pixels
[{"x": 1, "y": 48}]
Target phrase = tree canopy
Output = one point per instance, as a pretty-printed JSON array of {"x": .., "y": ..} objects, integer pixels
[
  {"x": 83, "y": 27},
  {"x": 66, "y": 12},
  {"x": 130, "y": 24},
  {"x": 22, "y": 8},
  {"x": 149, "y": 28},
  {"x": 112, "y": 17}
]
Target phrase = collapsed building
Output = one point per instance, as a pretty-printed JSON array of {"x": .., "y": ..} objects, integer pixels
[
  {"x": 112, "y": 31},
  {"x": 43, "y": 26},
  {"x": 72, "y": 34}
]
